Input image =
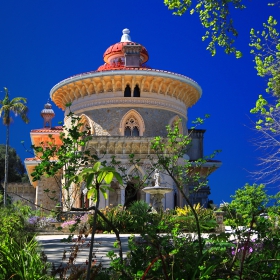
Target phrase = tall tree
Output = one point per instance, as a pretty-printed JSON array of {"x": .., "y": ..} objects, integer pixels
[
  {"x": 16, "y": 169},
  {"x": 265, "y": 46},
  {"x": 216, "y": 17},
  {"x": 18, "y": 107}
]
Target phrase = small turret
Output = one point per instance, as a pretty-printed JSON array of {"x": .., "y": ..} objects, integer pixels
[{"x": 47, "y": 114}]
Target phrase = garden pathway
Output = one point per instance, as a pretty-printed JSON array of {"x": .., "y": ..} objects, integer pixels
[{"x": 54, "y": 248}]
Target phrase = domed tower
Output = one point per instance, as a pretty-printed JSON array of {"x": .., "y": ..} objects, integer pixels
[
  {"x": 40, "y": 137},
  {"x": 125, "y": 87},
  {"x": 126, "y": 104},
  {"x": 47, "y": 114}
]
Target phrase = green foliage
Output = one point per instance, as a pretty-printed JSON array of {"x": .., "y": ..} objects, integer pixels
[
  {"x": 16, "y": 169},
  {"x": 268, "y": 127},
  {"x": 131, "y": 220},
  {"x": 248, "y": 203},
  {"x": 265, "y": 46},
  {"x": 79, "y": 165},
  {"x": 185, "y": 219},
  {"x": 215, "y": 17},
  {"x": 78, "y": 162},
  {"x": 97, "y": 176},
  {"x": 176, "y": 254},
  {"x": 15, "y": 105},
  {"x": 170, "y": 155},
  {"x": 13, "y": 221},
  {"x": 172, "y": 255},
  {"x": 250, "y": 252},
  {"x": 20, "y": 256},
  {"x": 139, "y": 216},
  {"x": 7, "y": 106},
  {"x": 21, "y": 260},
  {"x": 256, "y": 248}
]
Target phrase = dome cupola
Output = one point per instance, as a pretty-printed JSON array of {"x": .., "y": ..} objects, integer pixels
[
  {"x": 47, "y": 114},
  {"x": 125, "y": 54}
]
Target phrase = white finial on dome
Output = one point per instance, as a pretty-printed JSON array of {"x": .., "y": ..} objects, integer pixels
[{"x": 125, "y": 37}]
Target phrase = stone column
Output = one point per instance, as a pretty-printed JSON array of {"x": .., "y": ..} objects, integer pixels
[
  {"x": 148, "y": 198},
  {"x": 122, "y": 196},
  {"x": 119, "y": 196}
]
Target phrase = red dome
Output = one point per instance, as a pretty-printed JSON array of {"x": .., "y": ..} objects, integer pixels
[{"x": 117, "y": 49}]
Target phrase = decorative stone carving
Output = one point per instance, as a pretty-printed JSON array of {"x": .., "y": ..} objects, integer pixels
[
  {"x": 132, "y": 119},
  {"x": 169, "y": 105}
]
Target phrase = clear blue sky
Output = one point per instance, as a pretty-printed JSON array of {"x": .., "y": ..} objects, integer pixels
[{"x": 43, "y": 42}]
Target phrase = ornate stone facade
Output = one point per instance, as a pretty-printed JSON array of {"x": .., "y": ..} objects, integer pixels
[
  {"x": 126, "y": 104},
  {"x": 152, "y": 122}
]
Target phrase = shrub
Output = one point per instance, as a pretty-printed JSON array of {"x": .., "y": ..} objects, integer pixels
[{"x": 21, "y": 261}]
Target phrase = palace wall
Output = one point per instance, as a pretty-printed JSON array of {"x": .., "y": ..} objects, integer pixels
[
  {"x": 47, "y": 193},
  {"x": 155, "y": 120},
  {"x": 24, "y": 192}
]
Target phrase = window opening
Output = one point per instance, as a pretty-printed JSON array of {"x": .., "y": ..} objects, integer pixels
[
  {"x": 131, "y": 194},
  {"x": 135, "y": 132},
  {"x": 127, "y": 131},
  {"x": 131, "y": 127},
  {"x": 136, "y": 92},
  {"x": 127, "y": 91}
]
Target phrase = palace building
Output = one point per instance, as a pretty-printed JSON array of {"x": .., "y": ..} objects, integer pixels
[{"x": 126, "y": 104}]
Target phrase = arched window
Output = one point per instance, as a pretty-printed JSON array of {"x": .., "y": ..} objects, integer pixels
[
  {"x": 127, "y": 91},
  {"x": 136, "y": 92},
  {"x": 132, "y": 124},
  {"x": 135, "y": 131},
  {"x": 131, "y": 127},
  {"x": 127, "y": 131},
  {"x": 87, "y": 124},
  {"x": 176, "y": 121}
]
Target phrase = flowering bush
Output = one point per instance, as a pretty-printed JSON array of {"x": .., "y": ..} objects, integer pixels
[
  {"x": 135, "y": 218},
  {"x": 40, "y": 222},
  {"x": 250, "y": 251},
  {"x": 80, "y": 223},
  {"x": 20, "y": 256}
]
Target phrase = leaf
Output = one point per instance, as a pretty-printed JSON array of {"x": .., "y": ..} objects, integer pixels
[
  {"x": 96, "y": 166},
  {"x": 89, "y": 180},
  {"x": 118, "y": 177},
  {"x": 100, "y": 177},
  {"x": 108, "y": 169},
  {"x": 104, "y": 193},
  {"x": 86, "y": 170},
  {"x": 109, "y": 177},
  {"x": 91, "y": 192},
  {"x": 79, "y": 178}
]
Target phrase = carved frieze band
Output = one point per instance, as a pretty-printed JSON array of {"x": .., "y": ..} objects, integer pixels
[{"x": 80, "y": 106}]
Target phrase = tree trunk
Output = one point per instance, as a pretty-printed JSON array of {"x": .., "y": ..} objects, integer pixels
[
  {"x": 93, "y": 233},
  {"x": 6, "y": 165}
]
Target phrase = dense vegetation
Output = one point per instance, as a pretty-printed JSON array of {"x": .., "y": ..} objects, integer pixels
[
  {"x": 20, "y": 257},
  {"x": 16, "y": 169},
  {"x": 167, "y": 248}
]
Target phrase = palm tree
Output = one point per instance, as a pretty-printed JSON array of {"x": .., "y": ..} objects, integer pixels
[{"x": 16, "y": 105}]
